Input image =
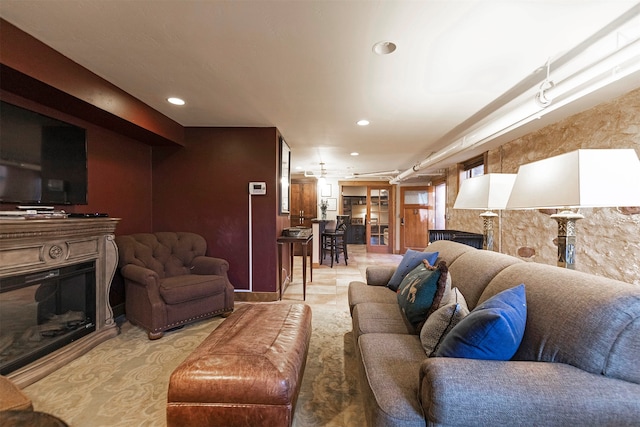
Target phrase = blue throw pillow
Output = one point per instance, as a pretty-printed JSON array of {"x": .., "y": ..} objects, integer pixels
[
  {"x": 492, "y": 331},
  {"x": 420, "y": 290},
  {"x": 410, "y": 260}
]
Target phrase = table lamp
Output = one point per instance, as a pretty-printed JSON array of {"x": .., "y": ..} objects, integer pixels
[
  {"x": 586, "y": 178},
  {"x": 486, "y": 192}
]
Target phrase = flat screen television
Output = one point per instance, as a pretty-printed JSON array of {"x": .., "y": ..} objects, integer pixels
[{"x": 43, "y": 161}]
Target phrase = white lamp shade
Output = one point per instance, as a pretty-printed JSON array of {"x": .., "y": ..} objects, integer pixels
[
  {"x": 581, "y": 178},
  {"x": 487, "y": 192}
]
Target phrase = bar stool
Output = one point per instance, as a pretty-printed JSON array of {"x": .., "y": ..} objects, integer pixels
[{"x": 333, "y": 240}]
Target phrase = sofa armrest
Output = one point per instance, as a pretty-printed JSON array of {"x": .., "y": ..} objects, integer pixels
[
  {"x": 481, "y": 392},
  {"x": 379, "y": 275},
  {"x": 210, "y": 266},
  {"x": 141, "y": 275}
]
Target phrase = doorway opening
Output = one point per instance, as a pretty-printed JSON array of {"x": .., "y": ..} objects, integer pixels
[{"x": 370, "y": 208}]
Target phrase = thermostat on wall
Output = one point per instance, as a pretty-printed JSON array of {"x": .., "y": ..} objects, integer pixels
[{"x": 258, "y": 188}]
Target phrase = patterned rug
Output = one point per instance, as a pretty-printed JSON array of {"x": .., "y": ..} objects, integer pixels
[{"x": 123, "y": 381}]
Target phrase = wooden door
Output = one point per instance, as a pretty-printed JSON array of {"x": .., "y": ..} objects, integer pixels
[
  {"x": 304, "y": 202},
  {"x": 417, "y": 217}
]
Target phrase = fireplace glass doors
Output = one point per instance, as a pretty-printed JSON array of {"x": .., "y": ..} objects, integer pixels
[{"x": 44, "y": 311}]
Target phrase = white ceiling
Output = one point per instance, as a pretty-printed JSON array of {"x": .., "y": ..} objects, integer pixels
[{"x": 307, "y": 66}]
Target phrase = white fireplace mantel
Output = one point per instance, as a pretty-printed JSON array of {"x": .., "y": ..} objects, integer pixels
[{"x": 32, "y": 245}]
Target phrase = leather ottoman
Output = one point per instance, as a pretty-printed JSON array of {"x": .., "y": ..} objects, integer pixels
[{"x": 247, "y": 372}]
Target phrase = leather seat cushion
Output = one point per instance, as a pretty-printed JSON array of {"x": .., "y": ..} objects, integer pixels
[
  {"x": 247, "y": 372},
  {"x": 179, "y": 289}
]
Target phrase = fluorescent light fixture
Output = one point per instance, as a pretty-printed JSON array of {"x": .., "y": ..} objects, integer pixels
[
  {"x": 363, "y": 122},
  {"x": 176, "y": 101}
]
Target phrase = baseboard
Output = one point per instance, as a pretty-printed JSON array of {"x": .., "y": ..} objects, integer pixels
[{"x": 256, "y": 296}]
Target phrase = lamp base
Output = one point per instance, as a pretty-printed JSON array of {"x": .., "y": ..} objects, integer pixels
[
  {"x": 567, "y": 238},
  {"x": 487, "y": 220}
]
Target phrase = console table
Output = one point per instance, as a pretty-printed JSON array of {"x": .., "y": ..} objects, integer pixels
[{"x": 305, "y": 242}]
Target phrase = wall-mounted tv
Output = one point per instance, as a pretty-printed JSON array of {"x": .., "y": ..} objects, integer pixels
[{"x": 43, "y": 161}]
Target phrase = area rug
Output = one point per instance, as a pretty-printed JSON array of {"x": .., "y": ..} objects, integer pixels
[{"x": 123, "y": 381}]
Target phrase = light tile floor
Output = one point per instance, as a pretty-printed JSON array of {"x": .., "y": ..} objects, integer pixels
[
  {"x": 329, "y": 285},
  {"x": 330, "y": 395}
]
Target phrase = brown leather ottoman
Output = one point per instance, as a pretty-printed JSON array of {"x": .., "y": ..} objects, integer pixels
[{"x": 247, "y": 372}]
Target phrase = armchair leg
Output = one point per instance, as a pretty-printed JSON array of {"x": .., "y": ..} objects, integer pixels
[
  {"x": 227, "y": 313},
  {"x": 155, "y": 335}
]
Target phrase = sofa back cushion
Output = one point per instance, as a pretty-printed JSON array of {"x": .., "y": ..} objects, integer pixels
[
  {"x": 472, "y": 271},
  {"x": 590, "y": 322},
  {"x": 448, "y": 250},
  {"x": 167, "y": 253}
]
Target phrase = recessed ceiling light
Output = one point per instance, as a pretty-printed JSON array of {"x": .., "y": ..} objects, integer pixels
[
  {"x": 176, "y": 101},
  {"x": 384, "y": 48},
  {"x": 363, "y": 122},
  {"x": 355, "y": 154}
]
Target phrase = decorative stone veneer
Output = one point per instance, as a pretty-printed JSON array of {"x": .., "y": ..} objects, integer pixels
[{"x": 608, "y": 240}]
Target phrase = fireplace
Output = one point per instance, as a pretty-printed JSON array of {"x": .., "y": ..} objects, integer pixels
[
  {"x": 42, "y": 312},
  {"x": 55, "y": 276}
]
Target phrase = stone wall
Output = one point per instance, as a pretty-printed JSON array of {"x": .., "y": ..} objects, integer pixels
[{"x": 608, "y": 239}]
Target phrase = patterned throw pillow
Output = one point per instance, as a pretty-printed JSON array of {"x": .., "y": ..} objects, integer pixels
[
  {"x": 410, "y": 260},
  {"x": 421, "y": 290},
  {"x": 438, "y": 325},
  {"x": 492, "y": 331}
]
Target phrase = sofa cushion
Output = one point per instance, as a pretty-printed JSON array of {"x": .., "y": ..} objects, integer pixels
[
  {"x": 389, "y": 379},
  {"x": 421, "y": 290},
  {"x": 179, "y": 289},
  {"x": 492, "y": 331},
  {"x": 438, "y": 325},
  {"x": 473, "y": 270},
  {"x": 604, "y": 342},
  {"x": 360, "y": 292},
  {"x": 466, "y": 392},
  {"x": 410, "y": 260},
  {"x": 373, "y": 317}
]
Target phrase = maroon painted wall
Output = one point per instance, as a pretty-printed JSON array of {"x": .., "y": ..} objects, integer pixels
[
  {"x": 203, "y": 188},
  {"x": 147, "y": 169},
  {"x": 119, "y": 172}
]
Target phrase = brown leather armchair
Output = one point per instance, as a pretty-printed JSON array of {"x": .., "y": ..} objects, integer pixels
[{"x": 170, "y": 282}]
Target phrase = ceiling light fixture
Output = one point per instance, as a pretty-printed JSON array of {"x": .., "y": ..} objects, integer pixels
[
  {"x": 323, "y": 176},
  {"x": 355, "y": 153},
  {"x": 384, "y": 48},
  {"x": 176, "y": 101},
  {"x": 362, "y": 122}
]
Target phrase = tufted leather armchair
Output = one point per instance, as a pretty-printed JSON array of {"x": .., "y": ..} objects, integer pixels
[{"x": 170, "y": 282}]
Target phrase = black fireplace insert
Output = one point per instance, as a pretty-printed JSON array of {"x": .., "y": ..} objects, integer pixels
[{"x": 44, "y": 311}]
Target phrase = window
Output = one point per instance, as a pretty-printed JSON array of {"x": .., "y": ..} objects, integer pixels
[{"x": 471, "y": 168}]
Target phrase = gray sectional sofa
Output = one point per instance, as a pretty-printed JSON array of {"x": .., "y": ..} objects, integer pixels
[{"x": 578, "y": 363}]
